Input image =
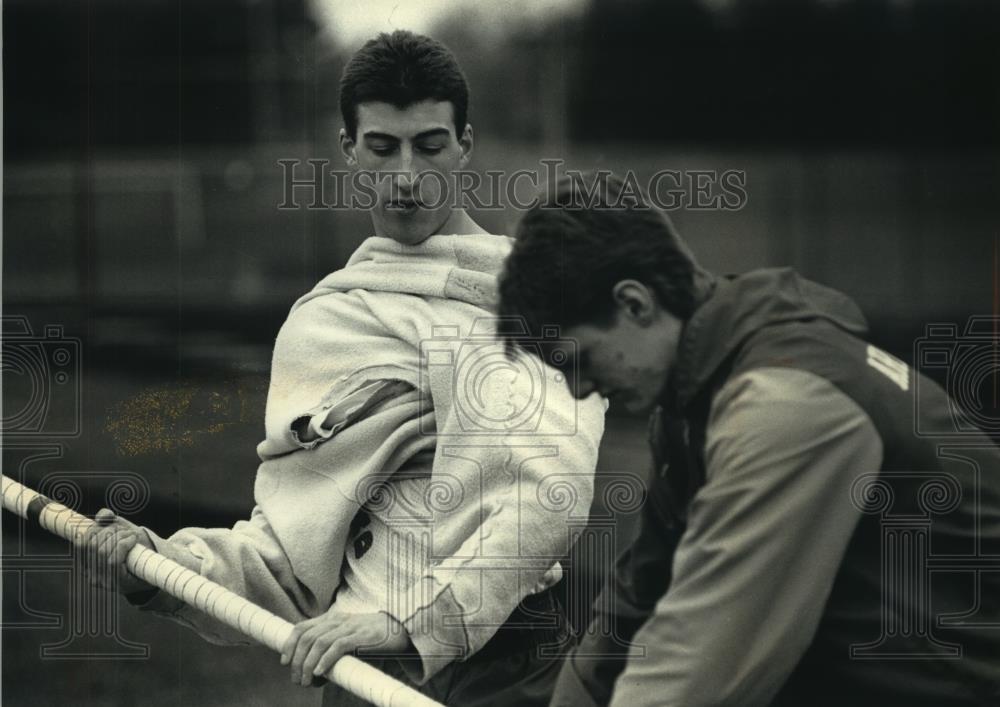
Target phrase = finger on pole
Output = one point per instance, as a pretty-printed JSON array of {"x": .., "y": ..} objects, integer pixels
[{"x": 254, "y": 621}]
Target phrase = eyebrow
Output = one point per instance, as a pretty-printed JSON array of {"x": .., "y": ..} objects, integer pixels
[{"x": 433, "y": 132}]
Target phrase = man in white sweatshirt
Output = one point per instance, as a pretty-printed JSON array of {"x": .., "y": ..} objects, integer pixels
[{"x": 405, "y": 503}]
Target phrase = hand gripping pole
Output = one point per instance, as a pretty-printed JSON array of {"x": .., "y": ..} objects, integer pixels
[{"x": 258, "y": 623}]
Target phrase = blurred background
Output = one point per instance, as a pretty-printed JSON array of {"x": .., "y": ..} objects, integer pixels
[{"x": 147, "y": 266}]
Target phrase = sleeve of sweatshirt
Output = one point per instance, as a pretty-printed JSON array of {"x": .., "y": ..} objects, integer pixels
[
  {"x": 246, "y": 559},
  {"x": 513, "y": 503},
  {"x": 765, "y": 538}
]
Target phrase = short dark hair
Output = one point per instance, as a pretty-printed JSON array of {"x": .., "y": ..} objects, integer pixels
[
  {"x": 402, "y": 68},
  {"x": 567, "y": 258}
]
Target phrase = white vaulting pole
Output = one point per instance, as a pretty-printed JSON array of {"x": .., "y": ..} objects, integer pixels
[{"x": 258, "y": 623}]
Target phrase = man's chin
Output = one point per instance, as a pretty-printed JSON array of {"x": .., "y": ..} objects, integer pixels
[
  {"x": 408, "y": 232},
  {"x": 409, "y": 229}
]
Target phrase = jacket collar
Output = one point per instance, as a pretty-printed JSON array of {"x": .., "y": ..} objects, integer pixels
[{"x": 739, "y": 307}]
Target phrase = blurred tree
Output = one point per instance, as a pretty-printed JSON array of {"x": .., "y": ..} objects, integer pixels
[
  {"x": 516, "y": 67},
  {"x": 816, "y": 72},
  {"x": 119, "y": 74}
]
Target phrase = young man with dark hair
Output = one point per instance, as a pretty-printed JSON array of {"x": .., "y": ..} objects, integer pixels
[
  {"x": 794, "y": 510},
  {"x": 400, "y": 502},
  {"x": 404, "y": 102}
]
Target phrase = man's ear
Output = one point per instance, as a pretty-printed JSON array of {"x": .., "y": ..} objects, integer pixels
[
  {"x": 349, "y": 148},
  {"x": 635, "y": 300},
  {"x": 465, "y": 141}
]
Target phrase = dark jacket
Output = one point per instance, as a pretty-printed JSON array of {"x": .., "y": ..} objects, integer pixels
[{"x": 821, "y": 527}]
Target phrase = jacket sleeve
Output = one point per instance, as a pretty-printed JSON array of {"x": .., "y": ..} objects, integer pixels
[
  {"x": 246, "y": 559},
  {"x": 507, "y": 505},
  {"x": 764, "y": 541},
  {"x": 639, "y": 578}
]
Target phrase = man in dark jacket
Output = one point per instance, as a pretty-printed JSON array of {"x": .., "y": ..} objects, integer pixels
[{"x": 804, "y": 542}]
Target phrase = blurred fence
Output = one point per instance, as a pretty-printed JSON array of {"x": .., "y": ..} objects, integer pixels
[{"x": 909, "y": 235}]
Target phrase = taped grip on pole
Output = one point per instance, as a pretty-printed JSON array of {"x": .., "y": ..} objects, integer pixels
[{"x": 258, "y": 623}]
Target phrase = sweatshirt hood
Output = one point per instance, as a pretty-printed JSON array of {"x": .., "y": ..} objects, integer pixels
[
  {"x": 742, "y": 305},
  {"x": 457, "y": 267}
]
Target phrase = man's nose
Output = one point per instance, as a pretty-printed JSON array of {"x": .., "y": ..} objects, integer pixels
[{"x": 407, "y": 168}]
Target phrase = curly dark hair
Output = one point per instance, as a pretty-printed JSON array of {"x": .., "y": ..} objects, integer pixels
[{"x": 567, "y": 257}]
